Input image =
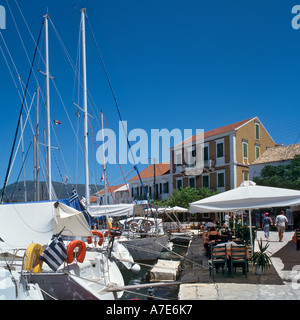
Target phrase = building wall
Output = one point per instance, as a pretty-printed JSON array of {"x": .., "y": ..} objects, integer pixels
[
  {"x": 248, "y": 132},
  {"x": 234, "y": 166},
  {"x": 147, "y": 182}
]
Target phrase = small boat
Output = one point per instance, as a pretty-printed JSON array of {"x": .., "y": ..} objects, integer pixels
[{"x": 144, "y": 237}]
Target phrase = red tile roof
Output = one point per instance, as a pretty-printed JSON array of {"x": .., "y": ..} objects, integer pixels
[
  {"x": 215, "y": 132},
  {"x": 93, "y": 199},
  {"x": 110, "y": 189},
  {"x": 160, "y": 169}
]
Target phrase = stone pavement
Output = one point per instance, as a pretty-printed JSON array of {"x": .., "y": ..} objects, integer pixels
[{"x": 278, "y": 283}]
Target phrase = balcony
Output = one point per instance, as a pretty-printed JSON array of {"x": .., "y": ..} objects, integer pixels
[{"x": 209, "y": 163}]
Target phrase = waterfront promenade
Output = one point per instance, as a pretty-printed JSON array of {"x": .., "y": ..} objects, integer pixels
[{"x": 278, "y": 283}]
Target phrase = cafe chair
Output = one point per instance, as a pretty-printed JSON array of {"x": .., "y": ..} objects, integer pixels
[
  {"x": 238, "y": 259},
  {"x": 218, "y": 259},
  {"x": 298, "y": 239}
]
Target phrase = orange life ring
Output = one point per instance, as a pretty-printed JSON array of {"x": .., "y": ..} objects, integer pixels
[
  {"x": 96, "y": 233},
  {"x": 81, "y": 253}
]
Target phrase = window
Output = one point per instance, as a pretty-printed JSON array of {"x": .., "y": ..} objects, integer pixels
[
  {"x": 192, "y": 182},
  {"x": 245, "y": 150},
  {"x": 245, "y": 175},
  {"x": 257, "y": 131},
  {"x": 221, "y": 180},
  {"x": 156, "y": 190},
  {"x": 166, "y": 187},
  {"x": 206, "y": 153},
  {"x": 179, "y": 183},
  {"x": 220, "y": 149},
  {"x": 190, "y": 157},
  {"x": 206, "y": 156},
  {"x": 257, "y": 152},
  {"x": 205, "y": 181},
  {"x": 178, "y": 158},
  {"x": 220, "y": 152}
]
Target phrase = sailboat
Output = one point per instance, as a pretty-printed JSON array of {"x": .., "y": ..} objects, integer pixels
[
  {"x": 142, "y": 236},
  {"x": 28, "y": 228}
]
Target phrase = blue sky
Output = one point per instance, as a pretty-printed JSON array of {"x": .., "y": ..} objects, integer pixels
[{"x": 187, "y": 64}]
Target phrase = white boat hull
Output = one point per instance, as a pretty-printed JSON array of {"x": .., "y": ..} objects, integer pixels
[
  {"x": 82, "y": 281},
  {"x": 12, "y": 287}
]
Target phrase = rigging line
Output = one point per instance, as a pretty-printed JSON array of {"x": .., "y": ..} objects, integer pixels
[
  {"x": 77, "y": 68},
  {"x": 62, "y": 102},
  {"x": 18, "y": 124},
  {"x": 119, "y": 112},
  {"x": 19, "y": 34},
  {"x": 62, "y": 179},
  {"x": 22, "y": 166},
  {"x": 73, "y": 65},
  {"x": 100, "y": 160},
  {"x": 127, "y": 174},
  {"x": 7, "y": 64},
  {"x": 34, "y": 42},
  {"x": 118, "y": 160},
  {"x": 31, "y": 35},
  {"x": 22, "y": 133}
]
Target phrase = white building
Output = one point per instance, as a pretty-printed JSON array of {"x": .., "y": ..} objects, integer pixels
[
  {"x": 159, "y": 172},
  {"x": 280, "y": 155}
]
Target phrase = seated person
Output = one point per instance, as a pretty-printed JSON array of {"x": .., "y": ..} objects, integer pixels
[{"x": 212, "y": 234}]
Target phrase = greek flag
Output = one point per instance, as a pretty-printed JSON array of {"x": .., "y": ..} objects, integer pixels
[
  {"x": 55, "y": 254},
  {"x": 74, "y": 197},
  {"x": 75, "y": 203}
]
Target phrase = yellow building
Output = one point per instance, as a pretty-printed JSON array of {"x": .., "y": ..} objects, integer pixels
[{"x": 224, "y": 156}]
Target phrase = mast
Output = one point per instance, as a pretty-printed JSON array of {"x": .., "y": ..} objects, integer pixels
[
  {"x": 104, "y": 167},
  {"x": 37, "y": 150},
  {"x": 87, "y": 182},
  {"x": 48, "y": 145}
]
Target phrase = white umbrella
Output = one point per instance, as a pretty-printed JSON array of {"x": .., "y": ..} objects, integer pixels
[
  {"x": 248, "y": 196},
  {"x": 173, "y": 209}
]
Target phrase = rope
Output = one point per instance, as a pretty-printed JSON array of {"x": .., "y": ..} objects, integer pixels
[
  {"x": 17, "y": 181},
  {"x": 145, "y": 295},
  {"x": 100, "y": 161},
  {"x": 61, "y": 176},
  {"x": 186, "y": 259},
  {"x": 119, "y": 113},
  {"x": 49, "y": 295},
  {"x": 21, "y": 110},
  {"x": 119, "y": 162}
]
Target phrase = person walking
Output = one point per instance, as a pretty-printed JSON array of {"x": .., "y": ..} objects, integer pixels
[
  {"x": 281, "y": 224},
  {"x": 267, "y": 221}
]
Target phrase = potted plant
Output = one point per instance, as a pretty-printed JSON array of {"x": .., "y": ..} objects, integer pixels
[{"x": 261, "y": 258}]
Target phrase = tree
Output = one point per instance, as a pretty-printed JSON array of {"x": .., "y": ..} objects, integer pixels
[{"x": 183, "y": 197}]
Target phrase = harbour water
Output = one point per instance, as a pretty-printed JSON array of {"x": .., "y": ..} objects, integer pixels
[{"x": 169, "y": 292}]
